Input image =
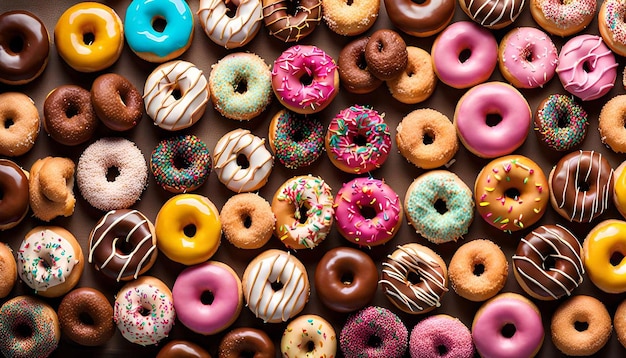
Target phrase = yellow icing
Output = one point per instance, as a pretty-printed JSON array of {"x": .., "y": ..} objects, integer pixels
[
  {"x": 620, "y": 190},
  {"x": 606, "y": 239}
]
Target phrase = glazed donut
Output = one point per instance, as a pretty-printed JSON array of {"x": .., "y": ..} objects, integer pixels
[
  {"x": 188, "y": 229},
  {"x": 51, "y": 187},
  {"x": 350, "y": 19},
  {"x": 89, "y": 36},
  {"x": 611, "y": 25},
  {"x": 69, "y": 117},
  {"x": 217, "y": 281},
  {"x": 35, "y": 316},
  {"x": 439, "y": 206},
  {"x": 508, "y": 325},
  {"x": 295, "y": 139},
  {"x": 602, "y": 243},
  {"x": 158, "y": 31},
  {"x": 619, "y": 322},
  {"x": 386, "y": 54},
  {"x": 421, "y": 19},
  {"x": 95, "y": 164},
  {"x": 352, "y": 67},
  {"x": 581, "y": 186},
  {"x": 547, "y": 263},
  {"x": 247, "y": 221},
  {"x": 181, "y": 348},
  {"x": 367, "y": 211},
  {"x": 560, "y": 122},
  {"x": 611, "y": 124},
  {"x": 303, "y": 206},
  {"x": 242, "y": 162},
  {"x": 441, "y": 336},
  {"x": 181, "y": 164},
  {"x": 86, "y": 317},
  {"x": 561, "y": 18},
  {"x": 8, "y": 270},
  {"x": 240, "y": 85},
  {"x": 305, "y": 78},
  {"x": 373, "y": 332},
  {"x": 417, "y": 82},
  {"x": 511, "y": 193},
  {"x": 117, "y": 102},
  {"x": 130, "y": 258},
  {"x": 464, "y": 54},
  {"x": 346, "y": 279},
  {"x": 492, "y": 119},
  {"x": 275, "y": 286},
  {"x": 24, "y": 47},
  {"x": 251, "y": 340},
  {"x": 229, "y": 29},
  {"x": 492, "y": 14},
  {"x": 19, "y": 123},
  {"x": 291, "y": 27},
  {"x": 427, "y": 138},
  {"x": 587, "y": 68},
  {"x": 144, "y": 302},
  {"x": 478, "y": 270},
  {"x": 619, "y": 189},
  {"x": 358, "y": 140},
  {"x": 50, "y": 261},
  {"x": 578, "y": 311},
  {"x": 308, "y": 335},
  {"x": 14, "y": 202}
]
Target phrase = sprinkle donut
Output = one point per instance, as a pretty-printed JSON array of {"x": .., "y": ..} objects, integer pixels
[
  {"x": 297, "y": 140},
  {"x": 194, "y": 168},
  {"x": 289, "y": 27},
  {"x": 563, "y": 18},
  {"x": 19, "y": 124},
  {"x": 441, "y": 336},
  {"x": 552, "y": 113},
  {"x": 374, "y": 324},
  {"x": 611, "y": 25},
  {"x": 228, "y": 29},
  {"x": 308, "y": 335}
]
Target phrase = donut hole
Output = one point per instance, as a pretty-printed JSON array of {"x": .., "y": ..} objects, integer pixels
[
  {"x": 247, "y": 221},
  {"x": 46, "y": 261},
  {"x": 512, "y": 193},
  {"x": 479, "y": 269},
  {"x": 159, "y": 24},
  {"x": 310, "y": 346},
  {"x": 145, "y": 310},
  {"x": 413, "y": 278},
  {"x": 86, "y": 319},
  {"x": 441, "y": 206},
  {"x": 123, "y": 247},
  {"x": 581, "y": 326},
  {"x": 562, "y": 120},
  {"x": 527, "y": 54},
  {"x": 243, "y": 161},
  {"x": 493, "y": 119},
  {"x": 89, "y": 38},
  {"x": 71, "y": 111},
  {"x": 360, "y": 61},
  {"x": 276, "y": 286},
  {"x": 8, "y": 122},
  {"x": 508, "y": 330},
  {"x": 297, "y": 136},
  {"x": 347, "y": 278},
  {"x": 442, "y": 350},
  {"x": 368, "y": 212},
  {"x": 23, "y": 330},
  {"x": 247, "y": 354},
  {"x": 360, "y": 140},
  {"x": 190, "y": 230},
  {"x": 587, "y": 67},
  {"x": 465, "y": 55},
  {"x": 349, "y": 2},
  {"x": 419, "y": 2},
  {"x": 16, "y": 44},
  {"x": 302, "y": 214},
  {"x": 291, "y": 7},
  {"x": 616, "y": 258},
  {"x": 306, "y": 79},
  {"x": 112, "y": 173},
  {"x": 180, "y": 162},
  {"x": 549, "y": 263},
  {"x": 583, "y": 186},
  {"x": 231, "y": 8},
  {"x": 176, "y": 93},
  {"x": 374, "y": 341},
  {"x": 1, "y": 194},
  {"x": 241, "y": 86},
  {"x": 428, "y": 137},
  {"x": 207, "y": 298}
]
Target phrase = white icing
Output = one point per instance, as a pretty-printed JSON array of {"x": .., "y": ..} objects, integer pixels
[{"x": 227, "y": 31}]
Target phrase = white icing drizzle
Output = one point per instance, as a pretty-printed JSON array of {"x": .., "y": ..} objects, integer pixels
[
  {"x": 230, "y": 31},
  {"x": 491, "y": 18}
]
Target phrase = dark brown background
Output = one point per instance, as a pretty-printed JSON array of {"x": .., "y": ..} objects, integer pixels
[{"x": 396, "y": 171}]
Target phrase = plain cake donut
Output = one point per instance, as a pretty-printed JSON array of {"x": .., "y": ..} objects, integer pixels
[
  {"x": 117, "y": 102},
  {"x": 247, "y": 221},
  {"x": 51, "y": 187},
  {"x": 386, "y": 54},
  {"x": 69, "y": 117},
  {"x": 19, "y": 124},
  {"x": 86, "y": 317},
  {"x": 417, "y": 82},
  {"x": 352, "y": 67}
]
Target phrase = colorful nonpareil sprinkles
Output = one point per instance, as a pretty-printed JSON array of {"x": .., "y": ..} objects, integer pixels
[
  {"x": 299, "y": 139},
  {"x": 615, "y": 11},
  {"x": 181, "y": 163},
  {"x": 561, "y": 123},
  {"x": 566, "y": 14},
  {"x": 380, "y": 323}
]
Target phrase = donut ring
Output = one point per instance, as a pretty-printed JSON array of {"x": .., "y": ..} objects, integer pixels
[
  {"x": 619, "y": 322},
  {"x": 117, "y": 102},
  {"x": 611, "y": 124},
  {"x": 492, "y": 14},
  {"x": 350, "y": 19},
  {"x": 386, "y": 54},
  {"x": 98, "y": 329},
  {"x": 291, "y": 28},
  {"x": 247, "y": 221},
  {"x": 69, "y": 117},
  {"x": 8, "y": 270},
  {"x": 181, "y": 348},
  {"x": 416, "y": 83},
  {"x": 373, "y": 322},
  {"x": 441, "y": 333},
  {"x": 420, "y": 19},
  {"x": 352, "y": 68},
  {"x": 180, "y": 164},
  {"x": 51, "y": 187},
  {"x": 602, "y": 242},
  {"x": 552, "y": 112},
  {"x": 250, "y": 340},
  {"x": 308, "y": 335},
  {"x": 19, "y": 124},
  {"x": 14, "y": 186},
  {"x": 297, "y": 140},
  {"x": 228, "y": 29}
]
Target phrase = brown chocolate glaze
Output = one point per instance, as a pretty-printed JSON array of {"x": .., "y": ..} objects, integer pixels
[
  {"x": 69, "y": 117},
  {"x": 346, "y": 279},
  {"x": 246, "y": 342},
  {"x": 494, "y": 14},
  {"x": 425, "y": 19},
  {"x": 291, "y": 27},
  {"x": 24, "y": 47},
  {"x": 353, "y": 72},
  {"x": 117, "y": 102},
  {"x": 386, "y": 54},
  {"x": 182, "y": 349},
  {"x": 533, "y": 257},
  {"x": 91, "y": 302},
  {"x": 13, "y": 194}
]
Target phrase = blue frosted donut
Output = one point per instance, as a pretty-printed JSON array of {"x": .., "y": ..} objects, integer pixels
[{"x": 181, "y": 164}]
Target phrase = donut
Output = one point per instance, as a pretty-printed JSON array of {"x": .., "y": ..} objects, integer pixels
[
  {"x": 511, "y": 193},
  {"x": 51, "y": 187},
  {"x": 188, "y": 229},
  {"x": 108, "y": 156},
  {"x": 478, "y": 270},
  {"x": 580, "y": 326},
  {"x": 386, "y": 54},
  {"x": 561, "y": 18},
  {"x": 492, "y": 119},
  {"x": 619, "y": 187},
  {"x": 291, "y": 26},
  {"x": 441, "y": 336},
  {"x": 182, "y": 348},
  {"x": 464, "y": 54},
  {"x": 508, "y": 325},
  {"x": 581, "y": 186},
  {"x": 8, "y": 270},
  {"x": 89, "y": 36},
  {"x": 228, "y": 29},
  {"x": 69, "y": 117},
  {"x": 346, "y": 279},
  {"x": 14, "y": 198},
  {"x": 619, "y": 322},
  {"x": 144, "y": 302},
  {"x": 492, "y": 14},
  {"x": 611, "y": 25},
  {"x": 305, "y": 78},
  {"x": 439, "y": 206},
  {"x": 19, "y": 123},
  {"x": 368, "y": 212},
  {"x": 611, "y": 123},
  {"x": 50, "y": 261},
  {"x": 25, "y": 313},
  {"x": 295, "y": 139},
  {"x": 303, "y": 206},
  {"x": 587, "y": 68},
  {"x": 207, "y": 297},
  {"x": 417, "y": 82},
  {"x": 547, "y": 263},
  {"x": 241, "y": 161},
  {"x": 420, "y": 19},
  {"x": 86, "y": 317},
  {"x": 373, "y": 332},
  {"x": 358, "y": 139},
  {"x": 176, "y": 94},
  {"x": 308, "y": 335},
  {"x": 181, "y": 164},
  {"x": 116, "y": 101},
  {"x": 247, "y": 221},
  {"x": 246, "y": 340},
  {"x": 560, "y": 122},
  {"x": 130, "y": 258},
  {"x": 158, "y": 31},
  {"x": 24, "y": 47},
  {"x": 350, "y": 19},
  {"x": 352, "y": 67},
  {"x": 602, "y": 249},
  {"x": 240, "y": 85},
  {"x": 527, "y": 57},
  {"x": 427, "y": 138},
  {"x": 275, "y": 286}
]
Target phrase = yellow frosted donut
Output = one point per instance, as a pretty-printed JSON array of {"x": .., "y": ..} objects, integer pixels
[
  {"x": 603, "y": 251},
  {"x": 188, "y": 229}
]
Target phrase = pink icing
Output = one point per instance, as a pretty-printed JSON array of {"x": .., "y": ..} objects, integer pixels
[
  {"x": 189, "y": 287},
  {"x": 295, "y": 64},
  {"x": 530, "y": 57},
  {"x": 441, "y": 330},
  {"x": 587, "y": 68},
  {"x": 493, "y": 98},
  {"x": 456, "y": 38},
  {"x": 569, "y": 13}
]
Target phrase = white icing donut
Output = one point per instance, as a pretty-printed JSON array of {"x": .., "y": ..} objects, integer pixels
[
  {"x": 230, "y": 31},
  {"x": 176, "y": 94}
]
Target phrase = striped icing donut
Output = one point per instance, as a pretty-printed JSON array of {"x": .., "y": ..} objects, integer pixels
[{"x": 228, "y": 29}]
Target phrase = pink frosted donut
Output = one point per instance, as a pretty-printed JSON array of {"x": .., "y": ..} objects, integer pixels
[
  {"x": 305, "y": 79},
  {"x": 441, "y": 336},
  {"x": 492, "y": 119},
  {"x": 373, "y": 332},
  {"x": 587, "y": 68},
  {"x": 459, "y": 40},
  {"x": 207, "y": 297}
]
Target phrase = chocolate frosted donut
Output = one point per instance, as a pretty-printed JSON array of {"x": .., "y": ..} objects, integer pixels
[
  {"x": 386, "y": 54},
  {"x": 353, "y": 72},
  {"x": 420, "y": 19},
  {"x": 493, "y": 14},
  {"x": 182, "y": 349},
  {"x": 291, "y": 28},
  {"x": 246, "y": 342},
  {"x": 69, "y": 117},
  {"x": 14, "y": 203},
  {"x": 117, "y": 102},
  {"x": 91, "y": 303}
]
